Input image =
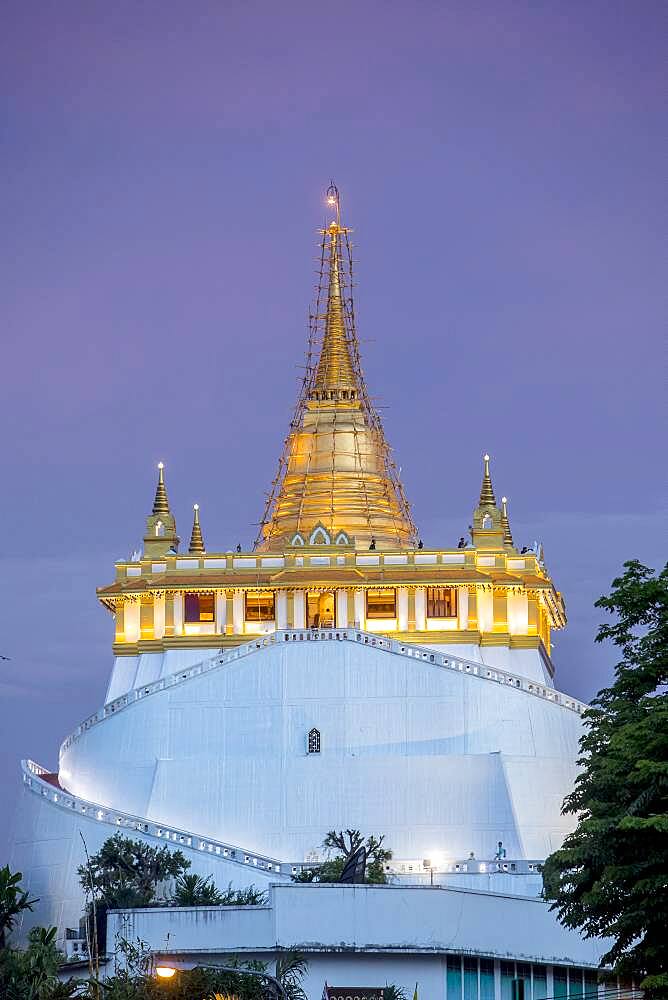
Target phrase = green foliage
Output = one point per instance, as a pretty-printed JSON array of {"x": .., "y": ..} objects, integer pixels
[
  {"x": 610, "y": 877},
  {"x": 346, "y": 842},
  {"x": 250, "y": 896},
  {"x": 13, "y": 901},
  {"x": 133, "y": 979},
  {"x": 126, "y": 873},
  {"x": 392, "y": 992},
  {"x": 193, "y": 890},
  {"x": 326, "y": 871},
  {"x": 31, "y": 974},
  {"x": 291, "y": 968}
]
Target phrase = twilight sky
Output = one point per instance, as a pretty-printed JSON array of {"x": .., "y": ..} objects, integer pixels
[{"x": 163, "y": 168}]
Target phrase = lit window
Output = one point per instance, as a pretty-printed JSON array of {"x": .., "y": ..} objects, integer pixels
[
  {"x": 314, "y": 741},
  {"x": 381, "y": 604},
  {"x": 199, "y": 608},
  {"x": 441, "y": 602},
  {"x": 260, "y": 606}
]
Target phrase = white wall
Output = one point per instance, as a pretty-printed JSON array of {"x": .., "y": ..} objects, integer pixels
[
  {"x": 403, "y": 934},
  {"x": 47, "y": 848},
  {"x": 433, "y": 758}
]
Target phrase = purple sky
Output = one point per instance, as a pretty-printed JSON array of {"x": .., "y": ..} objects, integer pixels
[{"x": 163, "y": 167}]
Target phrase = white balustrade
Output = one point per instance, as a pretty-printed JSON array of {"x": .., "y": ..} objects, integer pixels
[{"x": 222, "y": 658}]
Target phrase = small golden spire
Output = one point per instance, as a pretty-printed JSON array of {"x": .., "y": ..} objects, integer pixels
[
  {"x": 505, "y": 523},
  {"x": 487, "y": 498},
  {"x": 334, "y": 370},
  {"x": 196, "y": 546},
  {"x": 161, "y": 503}
]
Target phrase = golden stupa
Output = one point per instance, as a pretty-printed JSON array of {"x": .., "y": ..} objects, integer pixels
[{"x": 336, "y": 469}]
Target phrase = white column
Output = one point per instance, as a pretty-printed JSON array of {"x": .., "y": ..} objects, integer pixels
[
  {"x": 463, "y": 608},
  {"x": 158, "y": 616},
  {"x": 402, "y": 609},
  {"x": 360, "y": 610},
  {"x": 178, "y": 614},
  {"x": 485, "y": 610},
  {"x": 281, "y": 609},
  {"x": 238, "y": 612},
  {"x": 342, "y": 609},
  {"x": 131, "y": 621},
  {"x": 299, "y": 604},
  {"x": 420, "y": 609},
  {"x": 221, "y": 611}
]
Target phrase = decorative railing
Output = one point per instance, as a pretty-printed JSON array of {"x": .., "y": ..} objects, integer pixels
[
  {"x": 182, "y": 839},
  {"x": 32, "y": 779},
  {"x": 424, "y": 654}
]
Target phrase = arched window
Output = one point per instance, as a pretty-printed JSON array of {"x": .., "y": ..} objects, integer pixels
[
  {"x": 159, "y": 529},
  {"x": 342, "y": 539},
  {"x": 297, "y": 540},
  {"x": 314, "y": 741},
  {"x": 487, "y": 521}
]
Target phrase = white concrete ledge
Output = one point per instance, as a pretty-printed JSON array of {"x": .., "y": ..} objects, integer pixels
[{"x": 369, "y": 919}]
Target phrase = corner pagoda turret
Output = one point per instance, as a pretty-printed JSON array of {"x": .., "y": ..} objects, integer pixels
[
  {"x": 160, "y": 537},
  {"x": 488, "y": 529},
  {"x": 336, "y": 469}
]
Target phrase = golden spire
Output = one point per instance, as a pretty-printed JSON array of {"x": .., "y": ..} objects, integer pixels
[
  {"x": 334, "y": 371},
  {"x": 196, "y": 546},
  {"x": 336, "y": 469},
  {"x": 161, "y": 503},
  {"x": 487, "y": 498},
  {"x": 505, "y": 523}
]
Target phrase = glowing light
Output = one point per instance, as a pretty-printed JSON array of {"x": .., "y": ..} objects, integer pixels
[
  {"x": 161, "y": 465},
  {"x": 331, "y": 200},
  {"x": 195, "y": 506},
  {"x": 435, "y": 859},
  {"x": 165, "y": 971},
  {"x": 486, "y": 457},
  {"x": 504, "y": 499}
]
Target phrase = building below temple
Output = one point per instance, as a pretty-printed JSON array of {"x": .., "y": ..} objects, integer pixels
[{"x": 341, "y": 674}]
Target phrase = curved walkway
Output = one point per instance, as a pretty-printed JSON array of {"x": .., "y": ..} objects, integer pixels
[
  {"x": 35, "y": 781},
  {"x": 424, "y": 654}
]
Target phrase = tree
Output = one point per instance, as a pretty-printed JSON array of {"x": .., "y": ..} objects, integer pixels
[
  {"x": 291, "y": 967},
  {"x": 193, "y": 890},
  {"x": 394, "y": 992},
  {"x": 610, "y": 877},
  {"x": 347, "y": 842},
  {"x": 126, "y": 873},
  {"x": 13, "y": 901},
  {"x": 32, "y": 974}
]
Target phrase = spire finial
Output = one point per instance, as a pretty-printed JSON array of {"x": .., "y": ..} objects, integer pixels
[
  {"x": 505, "y": 523},
  {"x": 487, "y": 498},
  {"x": 196, "y": 546},
  {"x": 335, "y": 371},
  {"x": 161, "y": 502},
  {"x": 334, "y": 200}
]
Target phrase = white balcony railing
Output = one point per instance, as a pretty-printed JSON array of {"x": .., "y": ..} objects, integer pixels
[{"x": 424, "y": 654}]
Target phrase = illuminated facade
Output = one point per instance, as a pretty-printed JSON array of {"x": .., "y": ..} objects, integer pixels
[{"x": 339, "y": 674}]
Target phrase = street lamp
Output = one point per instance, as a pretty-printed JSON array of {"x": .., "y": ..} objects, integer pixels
[
  {"x": 433, "y": 862},
  {"x": 165, "y": 969}
]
